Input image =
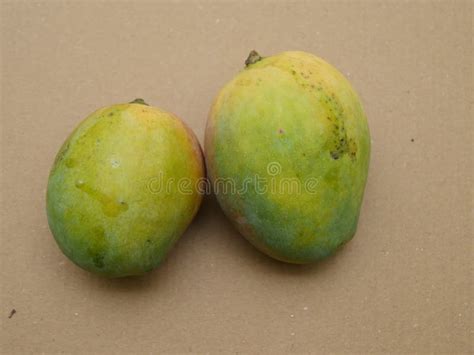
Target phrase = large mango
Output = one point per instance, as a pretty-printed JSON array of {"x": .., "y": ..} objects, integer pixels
[{"x": 287, "y": 150}]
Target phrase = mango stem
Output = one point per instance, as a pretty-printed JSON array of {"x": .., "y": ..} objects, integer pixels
[
  {"x": 139, "y": 101},
  {"x": 253, "y": 58}
]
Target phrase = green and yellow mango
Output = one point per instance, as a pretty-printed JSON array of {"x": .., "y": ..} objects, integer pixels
[
  {"x": 293, "y": 123},
  {"x": 115, "y": 198}
]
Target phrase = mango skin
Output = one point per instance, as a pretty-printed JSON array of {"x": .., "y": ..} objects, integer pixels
[
  {"x": 295, "y": 113},
  {"x": 108, "y": 205}
]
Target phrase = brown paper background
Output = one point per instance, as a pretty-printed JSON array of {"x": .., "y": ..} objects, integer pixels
[{"x": 404, "y": 284}]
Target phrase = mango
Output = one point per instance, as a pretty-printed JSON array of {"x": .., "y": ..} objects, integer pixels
[
  {"x": 287, "y": 150},
  {"x": 122, "y": 189}
]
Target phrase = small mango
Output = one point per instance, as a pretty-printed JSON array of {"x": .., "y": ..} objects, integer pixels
[{"x": 116, "y": 200}]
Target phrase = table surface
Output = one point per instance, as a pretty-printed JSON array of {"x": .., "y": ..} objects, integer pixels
[{"x": 403, "y": 284}]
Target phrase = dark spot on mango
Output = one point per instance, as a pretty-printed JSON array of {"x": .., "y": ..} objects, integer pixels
[
  {"x": 62, "y": 153},
  {"x": 352, "y": 149},
  {"x": 71, "y": 163},
  {"x": 98, "y": 260},
  {"x": 97, "y": 247}
]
